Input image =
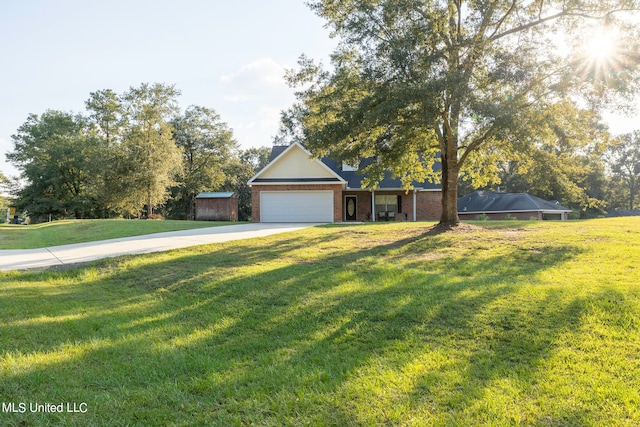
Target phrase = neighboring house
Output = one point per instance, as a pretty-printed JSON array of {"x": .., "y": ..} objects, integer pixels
[
  {"x": 622, "y": 212},
  {"x": 296, "y": 187},
  {"x": 216, "y": 207},
  {"x": 509, "y": 205}
]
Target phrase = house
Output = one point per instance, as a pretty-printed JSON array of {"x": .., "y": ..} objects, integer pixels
[
  {"x": 216, "y": 207},
  {"x": 622, "y": 212},
  {"x": 509, "y": 205},
  {"x": 296, "y": 187}
]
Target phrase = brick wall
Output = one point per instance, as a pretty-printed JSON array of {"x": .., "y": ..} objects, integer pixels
[{"x": 429, "y": 205}]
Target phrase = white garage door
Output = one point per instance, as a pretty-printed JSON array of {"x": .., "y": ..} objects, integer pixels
[{"x": 296, "y": 206}]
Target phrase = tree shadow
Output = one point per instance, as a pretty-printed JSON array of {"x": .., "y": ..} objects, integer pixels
[{"x": 249, "y": 333}]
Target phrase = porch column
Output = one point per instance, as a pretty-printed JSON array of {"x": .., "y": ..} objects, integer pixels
[
  {"x": 373, "y": 205},
  {"x": 414, "y": 205}
]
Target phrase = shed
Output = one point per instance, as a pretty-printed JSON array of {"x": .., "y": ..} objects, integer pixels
[{"x": 221, "y": 206}]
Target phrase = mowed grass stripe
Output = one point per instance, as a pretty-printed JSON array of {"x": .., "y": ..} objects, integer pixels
[{"x": 379, "y": 324}]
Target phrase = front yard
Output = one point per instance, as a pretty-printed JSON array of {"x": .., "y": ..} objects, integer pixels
[{"x": 380, "y": 324}]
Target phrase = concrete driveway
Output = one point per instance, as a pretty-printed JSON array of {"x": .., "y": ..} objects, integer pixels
[{"x": 22, "y": 259}]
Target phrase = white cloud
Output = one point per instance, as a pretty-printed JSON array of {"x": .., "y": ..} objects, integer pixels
[
  {"x": 259, "y": 72},
  {"x": 254, "y": 95}
]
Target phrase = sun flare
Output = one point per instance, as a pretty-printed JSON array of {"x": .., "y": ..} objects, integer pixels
[
  {"x": 601, "y": 46},
  {"x": 601, "y": 56}
]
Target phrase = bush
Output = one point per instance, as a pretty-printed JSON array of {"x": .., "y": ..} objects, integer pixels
[{"x": 483, "y": 217}]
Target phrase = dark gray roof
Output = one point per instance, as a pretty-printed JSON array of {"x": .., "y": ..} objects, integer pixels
[
  {"x": 622, "y": 212},
  {"x": 354, "y": 178},
  {"x": 276, "y": 150},
  {"x": 488, "y": 201}
]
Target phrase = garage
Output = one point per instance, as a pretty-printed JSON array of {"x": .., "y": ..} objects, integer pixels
[{"x": 296, "y": 206}]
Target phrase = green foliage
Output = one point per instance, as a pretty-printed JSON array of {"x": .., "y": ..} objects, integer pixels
[
  {"x": 465, "y": 79},
  {"x": 4, "y": 201},
  {"x": 624, "y": 162},
  {"x": 238, "y": 171},
  {"x": 377, "y": 324},
  {"x": 58, "y": 155},
  {"x": 148, "y": 142},
  {"x": 207, "y": 144},
  {"x": 130, "y": 155},
  {"x": 564, "y": 164}
]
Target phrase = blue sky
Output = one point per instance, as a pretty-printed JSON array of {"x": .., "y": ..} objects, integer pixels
[{"x": 226, "y": 55}]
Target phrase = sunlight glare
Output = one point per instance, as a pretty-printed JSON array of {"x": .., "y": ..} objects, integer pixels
[{"x": 601, "y": 46}]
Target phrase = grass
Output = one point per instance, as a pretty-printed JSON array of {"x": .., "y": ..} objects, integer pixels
[
  {"x": 80, "y": 231},
  {"x": 532, "y": 324}
]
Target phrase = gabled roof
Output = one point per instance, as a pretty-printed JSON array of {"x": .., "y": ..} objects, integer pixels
[
  {"x": 295, "y": 164},
  {"x": 353, "y": 179},
  {"x": 490, "y": 202},
  {"x": 215, "y": 195}
]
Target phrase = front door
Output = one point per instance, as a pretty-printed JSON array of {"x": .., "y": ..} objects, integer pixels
[{"x": 350, "y": 208}]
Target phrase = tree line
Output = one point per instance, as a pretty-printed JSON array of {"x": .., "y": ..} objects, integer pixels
[{"x": 135, "y": 154}]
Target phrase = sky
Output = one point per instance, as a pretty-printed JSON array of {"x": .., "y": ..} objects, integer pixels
[{"x": 230, "y": 56}]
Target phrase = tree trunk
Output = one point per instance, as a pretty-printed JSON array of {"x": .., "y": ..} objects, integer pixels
[
  {"x": 632, "y": 192},
  {"x": 449, "y": 215},
  {"x": 192, "y": 214}
]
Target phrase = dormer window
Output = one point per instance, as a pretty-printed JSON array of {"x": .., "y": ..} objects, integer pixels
[{"x": 348, "y": 168}]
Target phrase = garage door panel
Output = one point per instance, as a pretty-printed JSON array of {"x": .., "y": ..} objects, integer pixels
[{"x": 296, "y": 206}]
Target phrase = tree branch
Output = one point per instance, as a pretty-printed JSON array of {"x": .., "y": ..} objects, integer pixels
[
  {"x": 568, "y": 12},
  {"x": 475, "y": 144},
  {"x": 506, "y": 15}
]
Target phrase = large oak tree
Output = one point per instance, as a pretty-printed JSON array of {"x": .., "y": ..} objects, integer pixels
[
  {"x": 412, "y": 78},
  {"x": 58, "y": 157},
  {"x": 149, "y": 145},
  {"x": 206, "y": 143}
]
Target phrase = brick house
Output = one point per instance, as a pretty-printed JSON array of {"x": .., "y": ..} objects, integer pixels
[
  {"x": 296, "y": 187},
  {"x": 509, "y": 205}
]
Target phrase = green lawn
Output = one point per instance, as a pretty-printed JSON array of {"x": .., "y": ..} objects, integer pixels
[
  {"x": 520, "y": 323},
  {"x": 79, "y": 231}
]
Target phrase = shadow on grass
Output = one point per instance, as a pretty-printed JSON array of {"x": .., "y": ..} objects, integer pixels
[{"x": 307, "y": 330}]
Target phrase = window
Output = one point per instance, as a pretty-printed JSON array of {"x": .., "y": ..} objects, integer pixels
[
  {"x": 348, "y": 168},
  {"x": 386, "y": 203}
]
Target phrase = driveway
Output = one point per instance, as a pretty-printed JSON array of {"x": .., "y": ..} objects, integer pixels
[{"x": 22, "y": 259}]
